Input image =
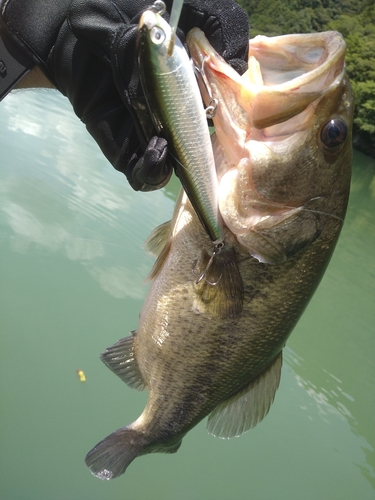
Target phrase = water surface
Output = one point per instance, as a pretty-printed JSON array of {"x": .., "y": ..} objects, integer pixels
[{"x": 72, "y": 273}]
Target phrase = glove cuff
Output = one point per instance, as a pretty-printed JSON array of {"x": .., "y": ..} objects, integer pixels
[{"x": 31, "y": 27}]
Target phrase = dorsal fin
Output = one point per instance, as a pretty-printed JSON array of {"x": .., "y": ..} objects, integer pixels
[
  {"x": 158, "y": 239},
  {"x": 120, "y": 358},
  {"x": 158, "y": 264},
  {"x": 248, "y": 407},
  {"x": 158, "y": 244}
]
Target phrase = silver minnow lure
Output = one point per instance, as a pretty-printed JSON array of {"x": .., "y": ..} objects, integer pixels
[{"x": 175, "y": 104}]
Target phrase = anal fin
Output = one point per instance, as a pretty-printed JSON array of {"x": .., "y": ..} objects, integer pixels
[
  {"x": 120, "y": 358},
  {"x": 248, "y": 407}
]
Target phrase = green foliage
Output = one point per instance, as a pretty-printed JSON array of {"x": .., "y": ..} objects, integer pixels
[
  {"x": 359, "y": 34},
  {"x": 278, "y": 17},
  {"x": 355, "y": 19},
  {"x": 365, "y": 101}
]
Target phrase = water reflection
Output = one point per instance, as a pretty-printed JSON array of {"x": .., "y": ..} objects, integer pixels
[
  {"x": 59, "y": 201},
  {"x": 331, "y": 403},
  {"x": 326, "y": 399},
  {"x": 68, "y": 221},
  {"x": 335, "y": 335}
]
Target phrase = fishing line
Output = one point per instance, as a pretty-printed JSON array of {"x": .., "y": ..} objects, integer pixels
[
  {"x": 319, "y": 212},
  {"x": 175, "y": 16}
]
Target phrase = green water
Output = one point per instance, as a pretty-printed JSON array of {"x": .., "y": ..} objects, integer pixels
[{"x": 72, "y": 271}]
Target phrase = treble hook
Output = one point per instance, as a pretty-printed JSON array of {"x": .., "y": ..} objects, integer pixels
[
  {"x": 216, "y": 249},
  {"x": 212, "y": 105}
]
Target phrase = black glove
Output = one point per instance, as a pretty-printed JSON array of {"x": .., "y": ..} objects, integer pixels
[{"x": 87, "y": 48}]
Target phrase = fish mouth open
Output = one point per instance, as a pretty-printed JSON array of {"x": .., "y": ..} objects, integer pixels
[
  {"x": 272, "y": 99},
  {"x": 307, "y": 65},
  {"x": 269, "y": 124}
]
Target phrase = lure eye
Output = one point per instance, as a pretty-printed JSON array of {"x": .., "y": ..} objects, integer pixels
[
  {"x": 334, "y": 133},
  {"x": 157, "y": 35}
]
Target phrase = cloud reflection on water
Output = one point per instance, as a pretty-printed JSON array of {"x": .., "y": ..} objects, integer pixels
[
  {"x": 63, "y": 196},
  {"x": 323, "y": 397},
  {"x": 59, "y": 195}
]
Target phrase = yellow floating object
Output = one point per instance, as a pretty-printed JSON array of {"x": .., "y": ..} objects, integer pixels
[{"x": 81, "y": 375}]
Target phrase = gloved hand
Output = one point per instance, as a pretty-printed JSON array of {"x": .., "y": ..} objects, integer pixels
[{"x": 87, "y": 48}]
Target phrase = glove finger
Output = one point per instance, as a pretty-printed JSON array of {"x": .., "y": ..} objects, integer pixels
[
  {"x": 97, "y": 23},
  {"x": 152, "y": 170},
  {"x": 113, "y": 129},
  {"x": 224, "y": 23}
]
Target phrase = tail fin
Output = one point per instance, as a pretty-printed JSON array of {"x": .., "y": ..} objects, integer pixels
[{"x": 111, "y": 457}]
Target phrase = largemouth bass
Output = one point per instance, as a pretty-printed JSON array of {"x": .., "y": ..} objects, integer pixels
[
  {"x": 283, "y": 153},
  {"x": 175, "y": 105}
]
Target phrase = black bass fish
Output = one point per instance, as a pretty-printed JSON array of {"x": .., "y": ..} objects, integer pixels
[{"x": 283, "y": 155}]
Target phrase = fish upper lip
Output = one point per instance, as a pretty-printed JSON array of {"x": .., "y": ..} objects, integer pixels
[{"x": 333, "y": 51}]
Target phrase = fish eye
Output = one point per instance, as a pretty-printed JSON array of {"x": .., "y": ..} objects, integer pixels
[
  {"x": 334, "y": 133},
  {"x": 157, "y": 35}
]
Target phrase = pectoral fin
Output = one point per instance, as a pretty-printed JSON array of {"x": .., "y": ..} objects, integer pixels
[
  {"x": 248, "y": 407},
  {"x": 221, "y": 290},
  {"x": 121, "y": 360}
]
